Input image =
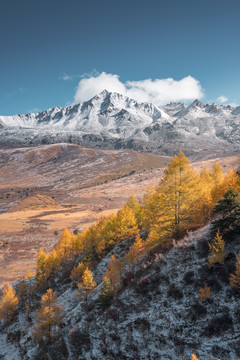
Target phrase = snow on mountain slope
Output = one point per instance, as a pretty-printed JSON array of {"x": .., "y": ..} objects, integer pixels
[
  {"x": 172, "y": 108},
  {"x": 111, "y": 120},
  {"x": 106, "y": 112}
]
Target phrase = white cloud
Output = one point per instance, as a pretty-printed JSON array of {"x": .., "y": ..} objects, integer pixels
[
  {"x": 34, "y": 110},
  {"x": 157, "y": 91},
  {"x": 65, "y": 77},
  {"x": 89, "y": 87},
  {"x": 222, "y": 99}
]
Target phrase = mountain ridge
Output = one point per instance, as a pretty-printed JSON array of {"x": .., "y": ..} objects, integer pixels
[{"x": 111, "y": 120}]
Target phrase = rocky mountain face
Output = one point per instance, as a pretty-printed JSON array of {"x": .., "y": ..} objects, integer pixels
[{"x": 111, "y": 120}]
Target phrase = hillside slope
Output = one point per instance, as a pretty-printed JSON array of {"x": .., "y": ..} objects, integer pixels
[
  {"x": 157, "y": 314},
  {"x": 148, "y": 282},
  {"x": 69, "y": 166}
]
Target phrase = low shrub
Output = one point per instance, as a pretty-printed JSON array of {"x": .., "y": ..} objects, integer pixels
[
  {"x": 128, "y": 278},
  {"x": 189, "y": 277},
  {"x": 58, "y": 351},
  {"x": 218, "y": 324},
  {"x": 202, "y": 248},
  {"x": 174, "y": 292},
  {"x": 14, "y": 336},
  {"x": 197, "y": 311},
  {"x": 112, "y": 314}
]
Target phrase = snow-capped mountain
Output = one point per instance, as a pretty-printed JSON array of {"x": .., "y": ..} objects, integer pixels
[
  {"x": 111, "y": 120},
  {"x": 106, "y": 113}
]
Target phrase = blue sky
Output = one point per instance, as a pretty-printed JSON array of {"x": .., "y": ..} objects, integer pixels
[{"x": 48, "y": 47}]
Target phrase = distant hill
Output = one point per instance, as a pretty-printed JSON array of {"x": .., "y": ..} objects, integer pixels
[
  {"x": 34, "y": 202},
  {"x": 70, "y": 166}
]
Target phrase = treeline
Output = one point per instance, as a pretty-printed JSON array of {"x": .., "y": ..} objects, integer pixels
[{"x": 183, "y": 200}]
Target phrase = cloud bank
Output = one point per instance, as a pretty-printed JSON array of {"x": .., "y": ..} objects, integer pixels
[{"x": 156, "y": 91}]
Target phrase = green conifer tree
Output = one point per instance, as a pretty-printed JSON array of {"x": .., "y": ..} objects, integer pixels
[
  {"x": 235, "y": 278},
  {"x": 228, "y": 211},
  {"x": 106, "y": 294}
]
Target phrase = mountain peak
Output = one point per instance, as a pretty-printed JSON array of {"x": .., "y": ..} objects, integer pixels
[
  {"x": 108, "y": 95},
  {"x": 101, "y": 94},
  {"x": 104, "y": 92},
  {"x": 197, "y": 103}
]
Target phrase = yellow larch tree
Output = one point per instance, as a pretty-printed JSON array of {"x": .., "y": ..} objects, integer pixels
[
  {"x": 125, "y": 223},
  {"x": 218, "y": 181},
  {"x": 136, "y": 251},
  {"x": 64, "y": 246},
  {"x": 41, "y": 273},
  {"x": 73, "y": 242},
  {"x": 78, "y": 242},
  {"x": 222, "y": 182},
  {"x": 52, "y": 263},
  {"x": 206, "y": 176},
  {"x": 106, "y": 294},
  {"x": 231, "y": 181},
  {"x": 26, "y": 287},
  {"x": 180, "y": 185},
  {"x": 156, "y": 219},
  {"x": 168, "y": 209},
  {"x": 87, "y": 284},
  {"x": 194, "y": 357},
  {"x": 29, "y": 275},
  {"x": 235, "y": 278},
  {"x": 22, "y": 290},
  {"x": 49, "y": 318},
  {"x": 101, "y": 247},
  {"x": 217, "y": 173},
  {"x": 93, "y": 241},
  {"x": 8, "y": 303},
  {"x": 217, "y": 251},
  {"x": 204, "y": 293},
  {"x": 134, "y": 204},
  {"x": 158, "y": 235},
  {"x": 151, "y": 208},
  {"x": 77, "y": 272},
  {"x": 94, "y": 236},
  {"x": 90, "y": 242},
  {"x": 202, "y": 208},
  {"x": 113, "y": 272},
  {"x": 183, "y": 199},
  {"x": 108, "y": 234},
  {"x": 29, "y": 278}
]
